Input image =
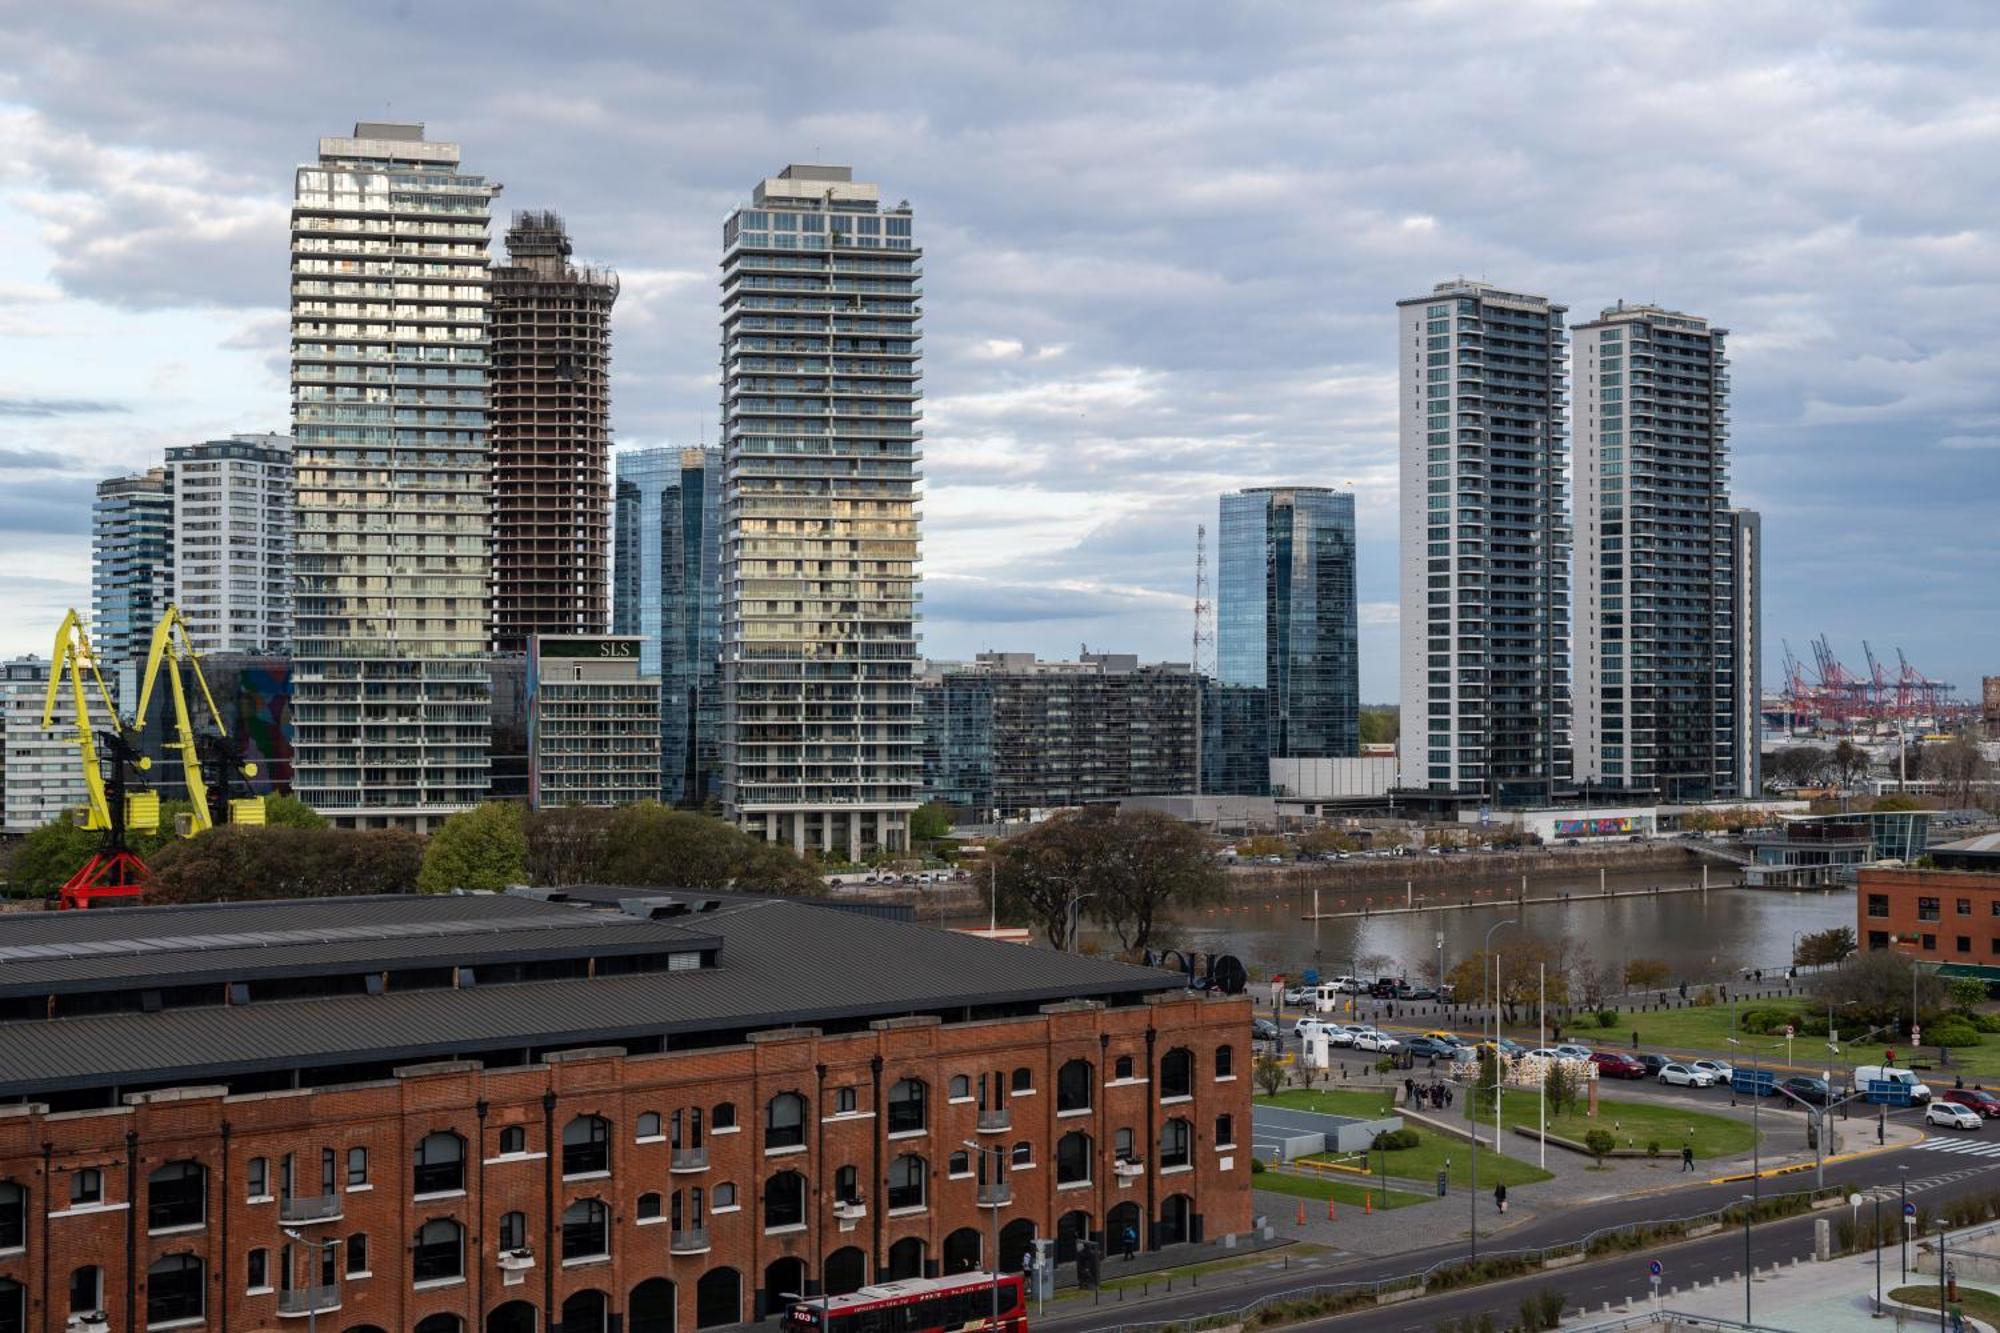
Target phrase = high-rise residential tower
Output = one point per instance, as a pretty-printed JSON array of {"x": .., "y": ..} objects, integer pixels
[
  {"x": 233, "y": 542},
  {"x": 1746, "y": 613},
  {"x": 820, "y": 409},
  {"x": 551, "y": 437},
  {"x": 132, "y": 563},
  {"x": 389, "y": 403},
  {"x": 1286, "y": 615},
  {"x": 667, "y": 590},
  {"x": 1485, "y": 544},
  {"x": 1656, "y": 637}
]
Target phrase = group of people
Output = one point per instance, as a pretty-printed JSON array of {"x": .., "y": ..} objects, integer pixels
[{"x": 1433, "y": 1095}]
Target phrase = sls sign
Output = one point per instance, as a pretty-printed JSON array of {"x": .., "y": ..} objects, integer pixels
[{"x": 593, "y": 647}]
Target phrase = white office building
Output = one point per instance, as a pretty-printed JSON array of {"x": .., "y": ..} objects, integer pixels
[{"x": 233, "y": 542}]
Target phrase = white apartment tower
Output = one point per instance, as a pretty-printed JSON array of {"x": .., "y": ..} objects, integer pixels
[
  {"x": 1485, "y": 545},
  {"x": 389, "y": 402},
  {"x": 1746, "y": 569},
  {"x": 820, "y": 743},
  {"x": 1657, "y": 646},
  {"x": 233, "y": 542}
]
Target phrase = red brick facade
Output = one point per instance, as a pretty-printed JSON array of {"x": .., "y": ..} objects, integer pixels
[
  {"x": 42, "y": 1155},
  {"x": 1941, "y": 916}
]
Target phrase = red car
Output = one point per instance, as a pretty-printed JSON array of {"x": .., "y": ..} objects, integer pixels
[
  {"x": 1613, "y": 1064},
  {"x": 1978, "y": 1099}
]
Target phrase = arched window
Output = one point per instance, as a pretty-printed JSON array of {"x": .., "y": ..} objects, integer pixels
[
  {"x": 1024, "y": 1079},
  {"x": 649, "y": 1207},
  {"x": 725, "y": 1194},
  {"x": 1073, "y": 1158},
  {"x": 586, "y": 1230},
  {"x": 86, "y": 1292},
  {"x": 1121, "y": 1146},
  {"x": 1225, "y": 1061},
  {"x": 14, "y": 1306},
  {"x": 906, "y": 1106},
  {"x": 514, "y": 1231},
  {"x": 785, "y": 1121},
  {"x": 1176, "y": 1143},
  {"x": 513, "y": 1139},
  {"x": 785, "y": 1200},
  {"x": 1024, "y": 1153},
  {"x": 440, "y": 1323},
  {"x": 586, "y": 1312},
  {"x": 649, "y": 1125},
  {"x": 961, "y": 1087},
  {"x": 1122, "y": 1068},
  {"x": 1073, "y": 1086},
  {"x": 439, "y": 1252},
  {"x": 908, "y": 1176},
  {"x": 175, "y": 1289},
  {"x": 177, "y": 1196},
  {"x": 14, "y": 1216},
  {"x": 847, "y": 1185},
  {"x": 723, "y": 1117},
  {"x": 959, "y": 1164},
  {"x": 1177, "y": 1073},
  {"x": 440, "y": 1163},
  {"x": 586, "y": 1146}
]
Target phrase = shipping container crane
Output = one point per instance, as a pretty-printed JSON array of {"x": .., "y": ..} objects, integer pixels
[
  {"x": 113, "y": 872},
  {"x": 204, "y": 755}
]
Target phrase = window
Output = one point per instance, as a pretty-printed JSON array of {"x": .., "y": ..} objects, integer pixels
[
  {"x": 725, "y": 1194},
  {"x": 86, "y": 1289},
  {"x": 1878, "y": 905},
  {"x": 960, "y": 1164},
  {"x": 440, "y": 1163},
  {"x": 907, "y": 1176},
  {"x": 1930, "y": 941},
  {"x": 723, "y": 1116},
  {"x": 175, "y": 1287},
  {"x": 586, "y": 1146},
  {"x": 357, "y": 1254},
  {"x": 692, "y": 1138},
  {"x": 1965, "y": 907},
  {"x": 1225, "y": 1131},
  {"x": 785, "y": 1122},
  {"x": 906, "y": 1106},
  {"x": 649, "y": 1207},
  {"x": 258, "y": 1179},
  {"x": 1927, "y": 909},
  {"x": 1073, "y": 1086},
  {"x": 1121, "y": 1146},
  {"x": 327, "y": 1168},
  {"x": 439, "y": 1252},
  {"x": 785, "y": 1200},
  {"x": 961, "y": 1088},
  {"x": 1965, "y": 944},
  {"x": 1225, "y": 1061},
  {"x": 1879, "y": 939},
  {"x": 1024, "y": 1079},
  {"x": 1073, "y": 1159},
  {"x": 257, "y": 1270},
  {"x": 86, "y": 1187},
  {"x": 844, "y": 1101},
  {"x": 357, "y": 1167},
  {"x": 1123, "y": 1068},
  {"x": 1177, "y": 1073},
  {"x": 649, "y": 1125},
  {"x": 1024, "y": 1154},
  {"x": 847, "y": 1185},
  {"x": 1175, "y": 1143},
  {"x": 586, "y": 1230},
  {"x": 513, "y": 1139},
  {"x": 176, "y": 1196}
]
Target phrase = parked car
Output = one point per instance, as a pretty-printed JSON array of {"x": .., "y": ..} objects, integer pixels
[
  {"x": 1425, "y": 1047},
  {"x": 1919, "y": 1091},
  {"x": 1383, "y": 988},
  {"x": 1721, "y": 1071},
  {"x": 1654, "y": 1063},
  {"x": 1978, "y": 1099},
  {"x": 1417, "y": 993},
  {"x": 1812, "y": 1091},
  {"x": 1372, "y": 1040},
  {"x": 1678, "y": 1075},
  {"x": 1616, "y": 1064},
  {"x": 1347, "y": 985},
  {"x": 1305, "y": 1025},
  {"x": 1952, "y": 1115},
  {"x": 1571, "y": 1051},
  {"x": 1297, "y": 995},
  {"x": 1263, "y": 1029}
]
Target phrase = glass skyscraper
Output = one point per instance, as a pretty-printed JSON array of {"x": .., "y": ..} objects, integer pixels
[
  {"x": 666, "y": 587},
  {"x": 820, "y": 408},
  {"x": 132, "y": 564},
  {"x": 1285, "y": 615}
]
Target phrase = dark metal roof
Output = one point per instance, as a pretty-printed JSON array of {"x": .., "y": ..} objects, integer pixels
[
  {"x": 614, "y": 894},
  {"x": 782, "y": 964}
]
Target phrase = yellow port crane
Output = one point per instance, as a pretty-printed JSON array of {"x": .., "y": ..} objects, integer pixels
[
  {"x": 113, "y": 872},
  {"x": 171, "y": 648}
]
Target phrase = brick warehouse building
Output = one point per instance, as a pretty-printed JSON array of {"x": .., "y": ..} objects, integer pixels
[
  {"x": 503, "y": 1113},
  {"x": 1941, "y": 916}
]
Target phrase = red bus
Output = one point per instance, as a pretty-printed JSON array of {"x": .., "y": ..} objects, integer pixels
[{"x": 918, "y": 1305}]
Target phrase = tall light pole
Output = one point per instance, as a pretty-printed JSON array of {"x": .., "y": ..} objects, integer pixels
[
  {"x": 1076, "y": 901},
  {"x": 1493, "y": 998},
  {"x": 1749, "y": 1206},
  {"x": 992, "y": 1230},
  {"x": 313, "y": 1250}
]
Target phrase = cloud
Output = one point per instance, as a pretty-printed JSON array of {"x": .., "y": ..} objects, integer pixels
[
  {"x": 48, "y": 507},
  {"x": 56, "y": 407},
  {"x": 41, "y": 460}
]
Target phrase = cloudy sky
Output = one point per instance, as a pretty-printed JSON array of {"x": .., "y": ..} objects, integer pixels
[{"x": 1163, "y": 245}]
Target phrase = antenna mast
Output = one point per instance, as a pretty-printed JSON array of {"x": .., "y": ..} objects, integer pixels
[{"x": 1201, "y": 659}]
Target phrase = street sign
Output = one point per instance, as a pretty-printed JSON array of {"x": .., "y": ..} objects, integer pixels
[
  {"x": 1909, "y": 1212},
  {"x": 1655, "y": 1268},
  {"x": 1789, "y": 1034},
  {"x": 1915, "y": 1034}
]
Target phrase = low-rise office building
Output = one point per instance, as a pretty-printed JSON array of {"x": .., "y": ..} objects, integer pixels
[
  {"x": 1830, "y": 849},
  {"x": 498, "y": 1114},
  {"x": 1942, "y": 916}
]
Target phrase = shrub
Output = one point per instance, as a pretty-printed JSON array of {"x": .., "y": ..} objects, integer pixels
[
  {"x": 1257, "y": 1167},
  {"x": 1705, "y": 998},
  {"x": 1600, "y": 1142},
  {"x": 1385, "y": 1065},
  {"x": 1395, "y": 1140},
  {"x": 1766, "y": 1021},
  {"x": 1652, "y": 1147},
  {"x": 1986, "y": 1022},
  {"x": 1951, "y": 1032},
  {"x": 1607, "y": 1018}
]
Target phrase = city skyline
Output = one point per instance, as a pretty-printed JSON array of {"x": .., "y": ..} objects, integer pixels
[{"x": 1081, "y": 413}]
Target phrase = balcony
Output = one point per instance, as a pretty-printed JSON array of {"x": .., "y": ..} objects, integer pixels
[
  {"x": 996, "y": 1121},
  {"x": 1129, "y": 1168},
  {"x": 997, "y": 1195},
  {"x": 307, "y": 1301},
  {"x": 517, "y": 1260},
  {"x": 689, "y": 1240},
  {"x": 690, "y": 1159},
  {"x": 305, "y": 1209}
]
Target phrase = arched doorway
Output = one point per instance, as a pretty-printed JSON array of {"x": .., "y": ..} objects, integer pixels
[
  {"x": 906, "y": 1259},
  {"x": 1016, "y": 1239},
  {"x": 586, "y": 1312},
  {"x": 1176, "y": 1218},
  {"x": 784, "y": 1284},
  {"x": 1072, "y": 1229},
  {"x": 1122, "y": 1230},
  {"x": 846, "y": 1270},
  {"x": 513, "y": 1317},
  {"x": 718, "y": 1298},
  {"x": 961, "y": 1251},
  {"x": 651, "y": 1309},
  {"x": 439, "y": 1323}
]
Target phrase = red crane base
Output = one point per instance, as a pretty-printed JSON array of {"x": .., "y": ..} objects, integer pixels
[{"x": 118, "y": 877}]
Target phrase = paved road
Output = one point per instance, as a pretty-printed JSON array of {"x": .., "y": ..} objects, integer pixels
[{"x": 1935, "y": 1174}]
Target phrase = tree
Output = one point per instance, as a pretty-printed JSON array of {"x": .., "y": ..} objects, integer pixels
[
  {"x": 1561, "y": 1086},
  {"x": 1149, "y": 862},
  {"x": 242, "y": 862},
  {"x": 648, "y": 844},
  {"x": 1850, "y": 763},
  {"x": 1967, "y": 993},
  {"x": 930, "y": 821},
  {"x": 1600, "y": 1142},
  {"x": 484, "y": 848},
  {"x": 1801, "y": 766},
  {"x": 567, "y": 844},
  {"x": 1878, "y": 983},
  {"x": 1960, "y": 768},
  {"x": 1646, "y": 973},
  {"x": 1379, "y": 724},
  {"x": 1269, "y": 1074},
  {"x": 1823, "y": 948},
  {"x": 43, "y": 861},
  {"x": 286, "y": 811}
]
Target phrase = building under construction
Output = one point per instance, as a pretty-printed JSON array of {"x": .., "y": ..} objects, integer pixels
[{"x": 551, "y": 438}]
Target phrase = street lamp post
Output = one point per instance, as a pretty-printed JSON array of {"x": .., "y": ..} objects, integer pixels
[
  {"x": 1493, "y": 1002},
  {"x": 1903, "y": 1263},
  {"x": 1749, "y": 1206},
  {"x": 313, "y": 1249},
  {"x": 992, "y": 1230},
  {"x": 1076, "y": 902}
]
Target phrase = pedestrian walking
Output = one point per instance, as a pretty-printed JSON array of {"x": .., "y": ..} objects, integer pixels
[
  {"x": 1131, "y": 1242},
  {"x": 1687, "y": 1157},
  {"x": 1500, "y": 1196},
  {"x": 1409, "y": 1092},
  {"x": 1684, "y": 990}
]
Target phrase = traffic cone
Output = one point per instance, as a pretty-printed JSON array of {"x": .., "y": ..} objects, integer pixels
[
  {"x": 1368, "y": 1204},
  {"x": 1329, "y": 1209},
  {"x": 1302, "y": 1214}
]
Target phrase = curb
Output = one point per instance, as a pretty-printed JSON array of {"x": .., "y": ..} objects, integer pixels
[{"x": 1796, "y": 1167}]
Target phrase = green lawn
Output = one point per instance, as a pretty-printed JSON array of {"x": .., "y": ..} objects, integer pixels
[
  {"x": 1982, "y": 1305},
  {"x": 1343, "y": 1192},
  {"x": 1423, "y": 1162},
  {"x": 1707, "y": 1032},
  {"x": 1634, "y": 1124}
]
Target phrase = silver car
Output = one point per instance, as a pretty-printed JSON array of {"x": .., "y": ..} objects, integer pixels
[{"x": 1682, "y": 1076}]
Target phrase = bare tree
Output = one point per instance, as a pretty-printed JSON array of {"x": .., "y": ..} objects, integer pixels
[{"x": 1960, "y": 768}]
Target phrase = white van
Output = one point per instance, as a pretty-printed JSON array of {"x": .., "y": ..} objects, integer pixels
[{"x": 1865, "y": 1074}]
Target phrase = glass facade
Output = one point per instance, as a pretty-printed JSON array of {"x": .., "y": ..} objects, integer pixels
[
  {"x": 132, "y": 564},
  {"x": 820, "y": 448},
  {"x": 391, "y": 709},
  {"x": 667, "y": 589},
  {"x": 1286, "y": 617}
]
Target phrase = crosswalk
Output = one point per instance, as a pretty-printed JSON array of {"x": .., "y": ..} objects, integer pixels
[{"x": 1962, "y": 1147}]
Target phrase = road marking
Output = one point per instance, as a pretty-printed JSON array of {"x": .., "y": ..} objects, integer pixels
[{"x": 1967, "y": 1147}]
